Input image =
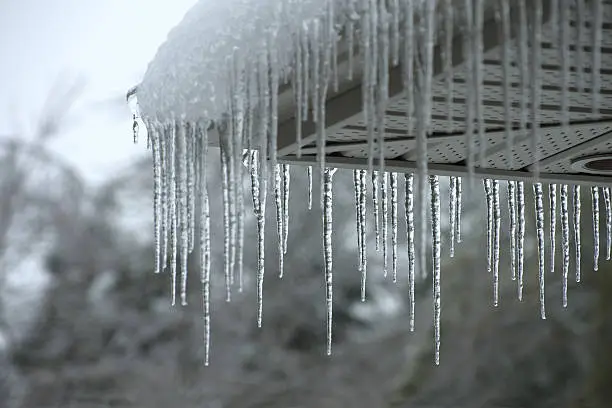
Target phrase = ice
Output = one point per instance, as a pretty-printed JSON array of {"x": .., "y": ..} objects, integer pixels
[
  {"x": 278, "y": 199},
  {"x": 513, "y": 229},
  {"x": 449, "y": 24},
  {"x": 376, "y": 206},
  {"x": 309, "y": 171},
  {"x": 595, "y": 210},
  {"x": 225, "y": 76},
  {"x": 520, "y": 244},
  {"x": 538, "y": 193},
  {"x": 385, "y": 220},
  {"x": 205, "y": 256},
  {"x": 552, "y": 202},
  {"x": 327, "y": 250},
  {"x": 504, "y": 17},
  {"x": 364, "y": 248},
  {"x": 286, "y": 175},
  {"x": 577, "y": 244},
  {"x": 565, "y": 245},
  {"x": 496, "y": 237},
  {"x": 394, "y": 194},
  {"x": 489, "y": 199},
  {"x": 435, "y": 232},
  {"x": 409, "y": 207},
  {"x": 608, "y": 204},
  {"x": 536, "y": 83},
  {"x": 183, "y": 207},
  {"x": 452, "y": 210},
  {"x": 157, "y": 192},
  {"x": 459, "y": 207}
]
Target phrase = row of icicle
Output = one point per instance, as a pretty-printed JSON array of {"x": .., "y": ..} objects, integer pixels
[{"x": 387, "y": 34}]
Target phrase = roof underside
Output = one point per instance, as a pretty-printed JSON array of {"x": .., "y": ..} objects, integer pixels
[{"x": 588, "y": 132}]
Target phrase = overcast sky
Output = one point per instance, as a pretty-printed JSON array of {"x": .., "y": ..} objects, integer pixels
[{"x": 109, "y": 43}]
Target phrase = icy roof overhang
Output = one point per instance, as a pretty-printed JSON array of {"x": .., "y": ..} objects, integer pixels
[
  {"x": 500, "y": 89},
  {"x": 587, "y": 131}
]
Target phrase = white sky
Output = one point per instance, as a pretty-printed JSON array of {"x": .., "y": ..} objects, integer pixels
[{"x": 109, "y": 43}]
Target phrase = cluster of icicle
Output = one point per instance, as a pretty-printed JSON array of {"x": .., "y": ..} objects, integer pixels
[{"x": 382, "y": 33}]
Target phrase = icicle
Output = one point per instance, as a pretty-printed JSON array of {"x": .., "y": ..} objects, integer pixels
[
  {"x": 375, "y": 204},
  {"x": 578, "y": 245},
  {"x": 409, "y": 207},
  {"x": 394, "y": 195},
  {"x": 227, "y": 271},
  {"x": 597, "y": 29},
  {"x": 595, "y": 209},
  {"x": 449, "y": 24},
  {"x": 506, "y": 65},
  {"x": 471, "y": 86},
  {"x": 205, "y": 253},
  {"x": 536, "y": 84},
  {"x": 564, "y": 23},
  {"x": 580, "y": 26},
  {"x": 385, "y": 219},
  {"x": 286, "y": 190},
  {"x": 478, "y": 55},
  {"x": 539, "y": 209},
  {"x": 309, "y": 170},
  {"x": 608, "y": 204},
  {"x": 409, "y": 57},
  {"x": 278, "y": 199},
  {"x": 513, "y": 237},
  {"x": 357, "y": 191},
  {"x": 261, "y": 224},
  {"x": 240, "y": 232},
  {"x": 523, "y": 39},
  {"x": 489, "y": 199},
  {"x": 453, "y": 214},
  {"x": 327, "y": 245},
  {"x": 173, "y": 210},
  {"x": 435, "y": 230},
  {"x": 395, "y": 31},
  {"x": 496, "y": 236},
  {"x": 459, "y": 208},
  {"x": 364, "y": 247},
  {"x": 157, "y": 188},
  {"x": 191, "y": 169},
  {"x": 520, "y": 194},
  {"x": 183, "y": 208},
  {"x": 552, "y": 200},
  {"x": 165, "y": 199},
  {"x": 565, "y": 239}
]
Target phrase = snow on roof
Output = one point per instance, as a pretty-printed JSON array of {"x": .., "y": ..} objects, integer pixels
[{"x": 226, "y": 62}]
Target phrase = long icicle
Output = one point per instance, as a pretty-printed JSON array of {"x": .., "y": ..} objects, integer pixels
[
  {"x": 459, "y": 207},
  {"x": 565, "y": 246},
  {"x": 278, "y": 200},
  {"x": 376, "y": 204},
  {"x": 409, "y": 207},
  {"x": 309, "y": 171},
  {"x": 539, "y": 210},
  {"x": 286, "y": 192},
  {"x": 520, "y": 195},
  {"x": 385, "y": 220},
  {"x": 157, "y": 188},
  {"x": 489, "y": 199},
  {"x": 608, "y": 205},
  {"x": 552, "y": 203},
  {"x": 364, "y": 246},
  {"x": 496, "y": 237},
  {"x": 173, "y": 210},
  {"x": 205, "y": 254},
  {"x": 452, "y": 210},
  {"x": 595, "y": 210},
  {"x": 577, "y": 243},
  {"x": 513, "y": 229},
  {"x": 226, "y": 215},
  {"x": 357, "y": 190},
  {"x": 435, "y": 231},
  {"x": 394, "y": 195},
  {"x": 183, "y": 206},
  {"x": 327, "y": 249}
]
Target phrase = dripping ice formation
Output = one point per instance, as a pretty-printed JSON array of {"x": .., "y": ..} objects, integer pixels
[{"x": 218, "y": 81}]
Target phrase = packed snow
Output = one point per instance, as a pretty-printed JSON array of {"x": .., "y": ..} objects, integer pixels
[{"x": 221, "y": 70}]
